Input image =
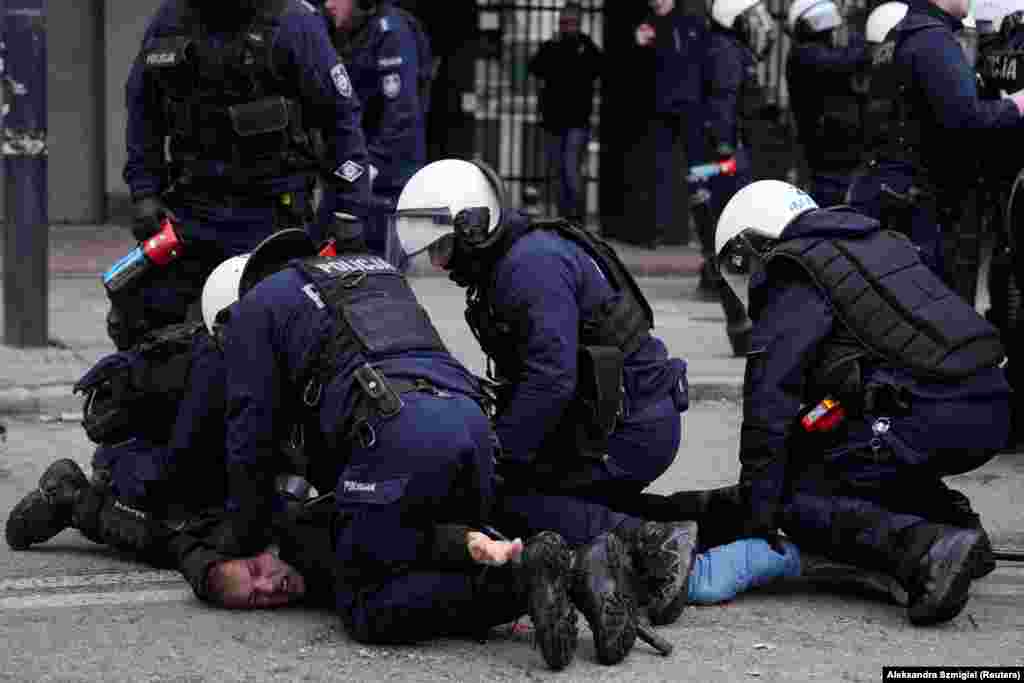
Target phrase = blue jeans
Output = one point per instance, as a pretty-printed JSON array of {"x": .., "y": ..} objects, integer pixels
[{"x": 565, "y": 157}]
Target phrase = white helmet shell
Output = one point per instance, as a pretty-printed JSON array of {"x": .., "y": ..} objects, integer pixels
[
  {"x": 817, "y": 15},
  {"x": 765, "y": 207},
  {"x": 989, "y": 14},
  {"x": 724, "y": 12},
  {"x": 436, "y": 194},
  {"x": 882, "y": 19},
  {"x": 221, "y": 288}
]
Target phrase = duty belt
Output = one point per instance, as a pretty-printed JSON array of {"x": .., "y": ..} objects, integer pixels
[{"x": 381, "y": 396}]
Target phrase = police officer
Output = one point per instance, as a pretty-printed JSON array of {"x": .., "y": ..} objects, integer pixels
[
  {"x": 1001, "y": 47},
  {"x": 884, "y": 382},
  {"x": 926, "y": 123},
  {"x": 679, "y": 42},
  {"x": 250, "y": 101},
  {"x": 157, "y": 412},
  {"x": 826, "y": 93},
  {"x": 386, "y": 53},
  {"x": 336, "y": 350},
  {"x": 587, "y": 395},
  {"x": 742, "y": 32}
]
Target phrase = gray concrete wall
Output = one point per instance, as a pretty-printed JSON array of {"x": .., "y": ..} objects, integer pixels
[{"x": 124, "y": 24}]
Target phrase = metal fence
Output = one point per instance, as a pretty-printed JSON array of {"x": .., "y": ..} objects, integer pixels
[{"x": 508, "y": 134}]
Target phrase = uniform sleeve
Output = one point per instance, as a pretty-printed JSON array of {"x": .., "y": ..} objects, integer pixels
[
  {"x": 330, "y": 105},
  {"x": 839, "y": 63},
  {"x": 950, "y": 86},
  {"x": 397, "y": 98},
  {"x": 541, "y": 294},
  {"x": 724, "y": 76},
  {"x": 197, "y": 441},
  {"x": 254, "y": 391},
  {"x": 144, "y": 169},
  {"x": 790, "y": 324}
]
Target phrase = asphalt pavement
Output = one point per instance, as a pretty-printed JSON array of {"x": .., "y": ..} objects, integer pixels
[{"x": 71, "y": 610}]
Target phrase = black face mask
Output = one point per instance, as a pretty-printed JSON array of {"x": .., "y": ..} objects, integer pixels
[{"x": 227, "y": 14}]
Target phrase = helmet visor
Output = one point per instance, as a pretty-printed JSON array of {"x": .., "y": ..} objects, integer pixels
[
  {"x": 740, "y": 259},
  {"x": 417, "y": 229}
]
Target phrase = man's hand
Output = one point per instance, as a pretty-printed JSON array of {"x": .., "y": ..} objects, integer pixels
[
  {"x": 485, "y": 550},
  {"x": 150, "y": 211},
  {"x": 644, "y": 35}
]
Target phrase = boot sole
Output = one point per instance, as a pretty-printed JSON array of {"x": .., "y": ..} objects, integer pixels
[
  {"x": 550, "y": 567},
  {"x": 954, "y": 597},
  {"x": 672, "y": 608},
  {"x": 613, "y": 644}
]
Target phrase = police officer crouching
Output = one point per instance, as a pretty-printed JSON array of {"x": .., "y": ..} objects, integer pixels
[
  {"x": 589, "y": 400},
  {"x": 234, "y": 107},
  {"x": 827, "y": 94},
  {"x": 868, "y": 378},
  {"x": 337, "y": 351}
]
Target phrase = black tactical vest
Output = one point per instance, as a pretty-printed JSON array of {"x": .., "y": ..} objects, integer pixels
[
  {"x": 226, "y": 105},
  {"x": 624, "y": 321},
  {"x": 894, "y": 134},
  {"x": 375, "y": 310},
  {"x": 140, "y": 397},
  {"x": 839, "y": 131},
  {"x": 892, "y": 307}
]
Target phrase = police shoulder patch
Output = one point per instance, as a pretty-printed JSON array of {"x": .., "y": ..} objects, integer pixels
[
  {"x": 350, "y": 171},
  {"x": 391, "y": 85},
  {"x": 341, "y": 80}
]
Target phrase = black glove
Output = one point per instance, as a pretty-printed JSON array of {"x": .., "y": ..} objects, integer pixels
[{"x": 149, "y": 212}]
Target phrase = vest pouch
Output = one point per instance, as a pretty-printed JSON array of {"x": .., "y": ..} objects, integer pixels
[
  {"x": 269, "y": 115},
  {"x": 597, "y": 405}
]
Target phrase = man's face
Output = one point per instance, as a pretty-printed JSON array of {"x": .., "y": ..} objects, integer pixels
[
  {"x": 662, "y": 7},
  {"x": 340, "y": 12},
  {"x": 256, "y": 582},
  {"x": 569, "y": 22}
]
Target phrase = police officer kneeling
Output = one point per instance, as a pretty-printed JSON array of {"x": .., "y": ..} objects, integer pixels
[
  {"x": 337, "y": 352},
  {"x": 868, "y": 378}
]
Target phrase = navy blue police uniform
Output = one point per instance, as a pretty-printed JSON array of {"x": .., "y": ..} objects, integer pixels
[
  {"x": 385, "y": 59},
  {"x": 251, "y": 109},
  {"x": 540, "y": 299},
  {"x": 926, "y": 124},
  {"x": 680, "y": 46},
  {"x": 827, "y": 93},
  {"x": 407, "y": 446},
  {"x": 913, "y": 416}
]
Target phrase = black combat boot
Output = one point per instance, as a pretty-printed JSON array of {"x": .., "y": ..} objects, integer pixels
[
  {"x": 47, "y": 511},
  {"x": 961, "y": 514},
  {"x": 662, "y": 555},
  {"x": 937, "y": 574},
  {"x": 601, "y": 590},
  {"x": 547, "y": 568}
]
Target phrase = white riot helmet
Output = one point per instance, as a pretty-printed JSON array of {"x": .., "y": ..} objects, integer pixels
[
  {"x": 436, "y": 195},
  {"x": 807, "y": 18},
  {"x": 750, "y": 225},
  {"x": 237, "y": 275},
  {"x": 882, "y": 19},
  {"x": 221, "y": 288},
  {"x": 749, "y": 18},
  {"x": 989, "y": 14}
]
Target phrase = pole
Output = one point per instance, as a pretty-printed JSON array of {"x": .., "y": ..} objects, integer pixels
[{"x": 23, "y": 146}]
